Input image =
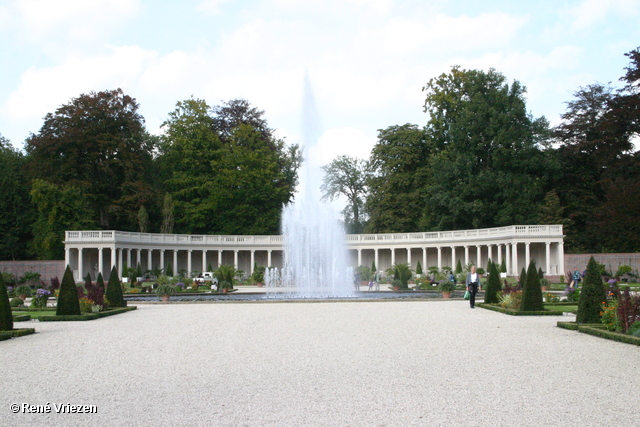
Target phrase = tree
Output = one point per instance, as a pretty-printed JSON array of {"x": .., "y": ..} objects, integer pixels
[
  {"x": 419, "y": 268},
  {"x": 16, "y": 210},
  {"x": 68, "y": 302},
  {"x": 399, "y": 172},
  {"x": 97, "y": 143},
  {"x": 143, "y": 220},
  {"x": 6, "y": 317},
  {"x": 592, "y": 295},
  {"x": 522, "y": 280},
  {"x": 226, "y": 173},
  {"x": 167, "y": 215},
  {"x": 489, "y": 167},
  {"x": 532, "y": 292},
  {"x": 113, "y": 293},
  {"x": 59, "y": 208},
  {"x": 493, "y": 286},
  {"x": 347, "y": 176}
]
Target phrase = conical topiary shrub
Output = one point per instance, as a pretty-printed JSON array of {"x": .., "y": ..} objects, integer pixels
[
  {"x": 68, "y": 302},
  {"x": 419, "y": 268},
  {"x": 169, "y": 270},
  {"x": 373, "y": 266},
  {"x": 523, "y": 278},
  {"x": 458, "y": 267},
  {"x": 6, "y": 318},
  {"x": 592, "y": 295},
  {"x": 493, "y": 286},
  {"x": 532, "y": 292},
  {"x": 96, "y": 294},
  {"x": 503, "y": 267},
  {"x": 114, "y": 290}
]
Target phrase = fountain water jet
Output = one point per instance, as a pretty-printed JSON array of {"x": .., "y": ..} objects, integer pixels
[{"x": 315, "y": 255}]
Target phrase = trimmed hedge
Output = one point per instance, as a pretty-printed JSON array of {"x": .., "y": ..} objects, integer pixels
[
  {"x": 86, "y": 316},
  {"x": 5, "y": 335},
  {"x": 21, "y": 317},
  {"x": 598, "y": 330},
  {"x": 514, "y": 312}
]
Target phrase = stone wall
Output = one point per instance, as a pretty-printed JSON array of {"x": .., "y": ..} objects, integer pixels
[
  {"x": 47, "y": 269},
  {"x": 610, "y": 261}
]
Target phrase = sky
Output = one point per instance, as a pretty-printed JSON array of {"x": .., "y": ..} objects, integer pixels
[{"x": 367, "y": 60}]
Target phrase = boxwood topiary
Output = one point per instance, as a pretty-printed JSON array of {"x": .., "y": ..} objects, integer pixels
[
  {"x": 592, "y": 295},
  {"x": 68, "y": 302},
  {"x": 114, "y": 290},
  {"x": 493, "y": 286},
  {"x": 16, "y": 302},
  {"x": 532, "y": 293}
]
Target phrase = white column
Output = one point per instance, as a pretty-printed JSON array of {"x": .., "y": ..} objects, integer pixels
[
  {"x": 490, "y": 253},
  {"x": 514, "y": 246},
  {"x": 129, "y": 258},
  {"x": 175, "y": 262},
  {"x": 80, "y": 261},
  {"x": 253, "y": 261},
  {"x": 359, "y": 257},
  {"x": 409, "y": 256},
  {"x": 269, "y": 258},
  {"x": 189, "y": 262},
  {"x": 67, "y": 257},
  {"x": 119, "y": 262},
  {"x": 478, "y": 256},
  {"x": 113, "y": 259},
  {"x": 453, "y": 258},
  {"x": 162, "y": 266},
  {"x": 393, "y": 256},
  {"x": 204, "y": 260},
  {"x": 466, "y": 255},
  {"x": 138, "y": 257},
  {"x": 440, "y": 258},
  {"x": 424, "y": 260},
  {"x": 235, "y": 259},
  {"x": 150, "y": 259},
  {"x": 375, "y": 256},
  {"x": 547, "y": 257},
  {"x": 507, "y": 259},
  {"x": 499, "y": 253},
  {"x": 527, "y": 254},
  {"x": 219, "y": 257},
  {"x": 100, "y": 260},
  {"x": 561, "y": 257}
]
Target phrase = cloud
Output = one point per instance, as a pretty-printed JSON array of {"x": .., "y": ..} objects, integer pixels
[
  {"x": 591, "y": 12},
  {"x": 77, "y": 20},
  {"x": 212, "y": 7}
]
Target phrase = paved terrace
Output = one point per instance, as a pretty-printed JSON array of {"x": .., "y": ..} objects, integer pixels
[{"x": 417, "y": 363}]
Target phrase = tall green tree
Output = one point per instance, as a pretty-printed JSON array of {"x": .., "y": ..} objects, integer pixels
[
  {"x": 97, "y": 143},
  {"x": 17, "y": 213},
  {"x": 399, "y": 175},
  {"x": 490, "y": 167},
  {"x": 347, "y": 176},
  {"x": 226, "y": 172},
  {"x": 59, "y": 208}
]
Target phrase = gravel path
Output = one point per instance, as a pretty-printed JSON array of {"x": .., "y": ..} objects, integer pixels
[{"x": 401, "y": 363}]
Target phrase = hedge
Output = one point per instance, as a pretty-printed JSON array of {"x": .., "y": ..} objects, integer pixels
[
  {"x": 514, "y": 312},
  {"x": 598, "y": 330},
  {"x": 5, "y": 335},
  {"x": 86, "y": 316},
  {"x": 21, "y": 317}
]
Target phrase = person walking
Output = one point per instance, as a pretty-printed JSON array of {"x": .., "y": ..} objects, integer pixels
[{"x": 472, "y": 281}]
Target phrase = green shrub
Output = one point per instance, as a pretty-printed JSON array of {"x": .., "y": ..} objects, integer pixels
[
  {"x": 419, "y": 268},
  {"x": 635, "y": 329},
  {"x": 523, "y": 278},
  {"x": 6, "y": 318},
  {"x": 401, "y": 272},
  {"x": 493, "y": 286},
  {"x": 68, "y": 302},
  {"x": 22, "y": 290},
  {"x": 114, "y": 290},
  {"x": 86, "y": 305},
  {"x": 532, "y": 293},
  {"x": 226, "y": 275},
  {"x": 16, "y": 302},
  {"x": 592, "y": 295}
]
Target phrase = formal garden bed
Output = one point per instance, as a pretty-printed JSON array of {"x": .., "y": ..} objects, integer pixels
[
  {"x": 14, "y": 333},
  {"x": 517, "y": 312},
  {"x": 600, "y": 330},
  {"x": 86, "y": 316}
]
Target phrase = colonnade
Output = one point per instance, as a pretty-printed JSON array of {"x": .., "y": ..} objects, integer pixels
[{"x": 98, "y": 251}]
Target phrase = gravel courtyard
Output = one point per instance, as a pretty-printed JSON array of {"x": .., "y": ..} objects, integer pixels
[{"x": 388, "y": 363}]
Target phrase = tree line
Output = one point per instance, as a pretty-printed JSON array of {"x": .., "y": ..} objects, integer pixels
[
  {"x": 482, "y": 160},
  {"x": 93, "y": 165}
]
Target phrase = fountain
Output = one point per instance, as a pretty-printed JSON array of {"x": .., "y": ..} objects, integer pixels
[{"x": 315, "y": 255}]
